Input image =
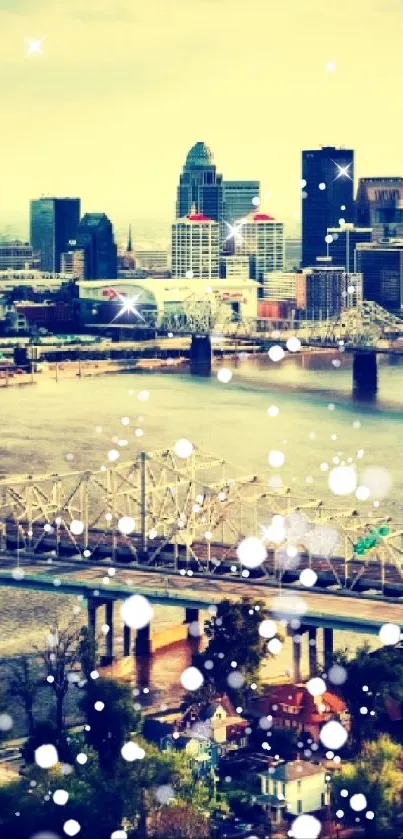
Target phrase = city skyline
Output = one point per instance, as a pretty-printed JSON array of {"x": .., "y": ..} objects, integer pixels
[{"x": 110, "y": 105}]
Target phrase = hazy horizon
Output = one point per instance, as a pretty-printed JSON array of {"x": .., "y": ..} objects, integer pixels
[{"x": 122, "y": 91}]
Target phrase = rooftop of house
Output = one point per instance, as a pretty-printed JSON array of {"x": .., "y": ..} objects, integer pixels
[
  {"x": 276, "y": 700},
  {"x": 294, "y": 770}
]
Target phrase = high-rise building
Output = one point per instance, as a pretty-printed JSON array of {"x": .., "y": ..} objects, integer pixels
[
  {"x": 281, "y": 286},
  {"x": 73, "y": 264},
  {"x": 344, "y": 240},
  {"x": 152, "y": 260},
  {"x": 379, "y": 204},
  {"x": 53, "y": 223},
  {"x": 261, "y": 238},
  {"x": 241, "y": 198},
  {"x": 95, "y": 238},
  {"x": 293, "y": 253},
  {"x": 196, "y": 247},
  {"x": 327, "y": 196},
  {"x": 323, "y": 292},
  {"x": 17, "y": 256},
  {"x": 381, "y": 266},
  {"x": 200, "y": 186},
  {"x": 235, "y": 268}
]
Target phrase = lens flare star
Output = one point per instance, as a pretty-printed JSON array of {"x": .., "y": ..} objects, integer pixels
[
  {"x": 34, "y": 47},
  {"x": 235, "y": 231},
  {"x": 128, "y": 306},
  {"x": 342, "y": 171}
]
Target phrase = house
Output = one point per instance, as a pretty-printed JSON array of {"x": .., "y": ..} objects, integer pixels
[
  {"x": 220, "y": 720},
  {"x": 202, "y": 754},
  {"x": 294, "y": 707},
  {"x": 294, "y": 787}
]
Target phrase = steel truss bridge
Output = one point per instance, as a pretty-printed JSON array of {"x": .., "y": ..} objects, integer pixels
[
  {"x": 189, "y": 515},
  {"x": 364, "y": 326}
]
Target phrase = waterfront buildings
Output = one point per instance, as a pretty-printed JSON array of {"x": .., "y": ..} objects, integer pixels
[
  {"x": 16, "y": 256},
  {"x": 327, "y": 190},
  {"x": 152, "y": 260},
  {"x": 73, "y": 264},
  {"x": 200, "y": 186},
  {"x": 37, "y": 280},
  {"x": 381, "y": 266},
  {"x": 95, "y": 237},
  {"x": 280, "y": 286},
  {"x": 235, "y": 267},
  {"x": 323, "y": 291},
  {"x": 293, "y": 787},
  {"x": 379, "y": 204},
  {"x": 261, "y": 238},
  {"x": 53, "y": 224},
  {"x": 342, "y": 243},
  {"x": 196, "y": 247},
  {"x": 293, "y": 253}
]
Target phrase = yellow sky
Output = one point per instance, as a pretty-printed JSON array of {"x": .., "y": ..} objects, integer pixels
[{"x": 124, "y": 88}]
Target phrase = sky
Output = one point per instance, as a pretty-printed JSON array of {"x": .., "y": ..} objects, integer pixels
[{"x": 124, "y": 88}]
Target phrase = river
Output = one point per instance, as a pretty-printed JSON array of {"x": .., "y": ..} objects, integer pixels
[{"x": 72, "y": 424}]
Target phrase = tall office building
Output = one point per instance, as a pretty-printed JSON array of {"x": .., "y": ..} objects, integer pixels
[
  {"x": 17, "y": 255},
  {"x": 200, "y": 186},
  {"x": 240, "y": 199},
  {"x": 327, "y": 196},
  {"x": 293, "y": 252},
  {"x": 73, "y": 264},
  {"x": 262, "y": 239},
  {"x": 196, "y": 248},
  {"x": 381, "y": 266},
  {"x": 281, "y": 286},
  {"x": 53, "y": 223},
  {"x": 323, "y": 292},
  {"x": 95, "y": 238},
  {"x": 343, "y": 244},
  {"x": 379, "y": 204}
]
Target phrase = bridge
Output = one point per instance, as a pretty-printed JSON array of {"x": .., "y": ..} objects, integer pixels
[
  {"x": 162, "y": 519},
  {"x": 365, "y": 331}
]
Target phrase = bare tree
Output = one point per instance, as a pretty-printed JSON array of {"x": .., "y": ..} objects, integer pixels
[
  {"x": 23, "y": 685},
  {"x": 62, "y": 653}
]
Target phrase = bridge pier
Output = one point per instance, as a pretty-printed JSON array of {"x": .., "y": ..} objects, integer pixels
[
  {"x": 92, "y": 617},
  {"x": 109, "y": 637},
  {"x": 191, "y": 615},
  {"x": 143, "y": 641},
  {"x": 200, "y": 355},
  {"x": 327, "y": 648},
  {"x": 126, "y": 640},
  {"x": 296, "y": 657},
  {"x": 365, "y": 373},
  {"x": 312, "y": 654}
]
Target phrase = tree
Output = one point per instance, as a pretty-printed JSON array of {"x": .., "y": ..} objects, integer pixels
[
  {"x": 23, "y": 686},
  {"x": 113, "y": 725},
  {"x": 372, "y": 678},
  {"x": 235, "y": 649},
  {"x": 179, "y": 820},
  {"x": 87, "y": 652},
  {"x": 61, "y": 655},
  {"x": 376, "y": 774}
]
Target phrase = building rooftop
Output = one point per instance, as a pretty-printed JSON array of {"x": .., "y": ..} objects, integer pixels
[
  {"x": 199, "y": 156},
  {"x": 198, "y": 217},
  {"x": 262, "y": 217},
  {"x": 295, "y": 770}
]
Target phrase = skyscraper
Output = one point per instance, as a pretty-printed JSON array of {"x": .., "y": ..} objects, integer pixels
[
  {"x": 379, "y": 204},
  {"x": 324, "y": 292},
  {"x": 327, "y": 196},
  {"x": 261, "y": 237},
  {"x": 381, "y": 265},
  {"x": 95, "y": 238},
  {"x": 53, "y": 223},
  {"x": 343, "y": 244},
  {"x": 240, "y": 199},
  {"x": 200, "y": 186},
  {"x": 196, "y": 247}
]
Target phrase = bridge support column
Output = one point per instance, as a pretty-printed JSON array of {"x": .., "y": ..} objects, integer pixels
[
  {"x": 143, "y": 641},
  {"x": 191, "y": 615},
  {"x": 365, "y": 373},
  {"x": 312, "y": 656},
  {"x": 327, "y": 648},
  {"x": 92, "y": 617},
  {"x": 200, "y": 355},
  {"x": 109, "y": 637},
  {"x": 126, "y": 640},
  {"x": 296, "y": 657}
]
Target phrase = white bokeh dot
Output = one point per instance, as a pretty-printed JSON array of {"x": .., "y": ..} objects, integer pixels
[
  {"x": 333, "y": 735},
  {"x": 224, "y": 375},
  {"x": 358, "y": 802},
  {"x": 276, "y": 459},
  {"x": 136, "y": 611},
  {"x": 126, "y": 525},
  {"x": 46, "y": 756},
  {"x": 60, "y": 796},
  {"x": 183, "y": 448},
  {"x": 308, "y": 577},
  {"x": 276, "y": 353},
  {"x": 192, "y": 678},
  {"x": 342, "y": 480},
  {"x": 389, "y": 634},
  {"x": 306, "y": 827},
  {"x": 251, "y": 552},
  {"x": 71, "y": 827}
]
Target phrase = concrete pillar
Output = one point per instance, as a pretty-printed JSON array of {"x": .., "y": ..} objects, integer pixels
[
  {"x": 109, "y": 637},
  {"x": 191, "y": 615},
  {"x": 143, "y": 641},
  {"x": 365, "y": 373},
  {"x": 312, "y": 655},
  {"x": 126, "y": 640},
  {"x": 200, "y": 355},
  {"x": 327, "y": 648},
  {"x": 92, "y": 616},
  {"x": 296, "y": 657}
]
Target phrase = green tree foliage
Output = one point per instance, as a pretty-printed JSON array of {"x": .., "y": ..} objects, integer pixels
[
  {"x": 376, "y": 774},
  {"x": 233, "y": 636},
  {"x": 372, "y": 679},
  {"x": 176, "y": 821},
  {"x": 112, "y": 726}
]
